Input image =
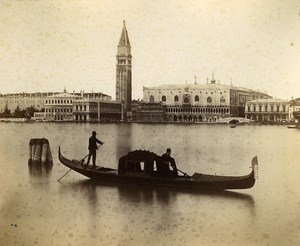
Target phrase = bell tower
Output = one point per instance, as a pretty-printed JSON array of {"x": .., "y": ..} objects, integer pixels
[{"x": 123, "y": 74}]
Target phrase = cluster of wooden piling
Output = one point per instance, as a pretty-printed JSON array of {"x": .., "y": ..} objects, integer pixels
[{"x": 39, "y": 151}]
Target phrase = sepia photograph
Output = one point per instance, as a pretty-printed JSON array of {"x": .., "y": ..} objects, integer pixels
[{"x": 135, "y": 122}]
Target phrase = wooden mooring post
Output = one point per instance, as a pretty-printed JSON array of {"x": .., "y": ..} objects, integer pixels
[{"x": 39, "y": 151}]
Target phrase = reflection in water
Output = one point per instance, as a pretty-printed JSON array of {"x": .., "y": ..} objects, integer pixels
[
  {"x": 123, "y": 141},
  {"x": 88, "y": 192},
  {"x": 167, "y": 195},
  {"x": 151, "y": 194},
  {"x": 84, "y": 187},
  {"x": 39, "y": 169},
  {"x": 145, "y": 194}
]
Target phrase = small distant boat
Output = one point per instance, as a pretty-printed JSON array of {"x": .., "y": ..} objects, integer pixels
[
  {"x": 292, "y": 126},
  {"x": 145, "y": 168}
]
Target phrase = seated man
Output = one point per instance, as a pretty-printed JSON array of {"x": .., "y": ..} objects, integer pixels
[{"x": 168, "y": 160}]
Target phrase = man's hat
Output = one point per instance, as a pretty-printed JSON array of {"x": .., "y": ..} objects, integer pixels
[{"x": 94, "y": 133}]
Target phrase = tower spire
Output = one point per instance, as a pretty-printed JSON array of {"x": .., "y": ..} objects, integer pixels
[{"x": 124, "y": 40}]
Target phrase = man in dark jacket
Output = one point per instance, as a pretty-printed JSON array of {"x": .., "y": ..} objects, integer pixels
[
  {"x": 167, "y": 160},
  {"x": 92, "y": 148}
]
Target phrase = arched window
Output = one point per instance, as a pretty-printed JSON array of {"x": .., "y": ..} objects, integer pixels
[
  {"x": 163, "y": 98},
  {"x": 222, "y": 99},
  {"x": 176, "y": 98},
  {"x": 151, "y": 99},
  {"x": 197, "y": 98},
  {"x": 209, "y": 100},
  {"x": 186, "y": 100}
]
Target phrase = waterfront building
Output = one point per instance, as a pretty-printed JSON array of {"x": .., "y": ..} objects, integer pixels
[
  {"x": 56, "y": 106},
  {"x": 267, "y": 110},
  {"x": 24, "y": 100},
  {"x": 148, "y": 112},
  {"x": 95, "y": 110},
  {"x": 134, "y": 107},
  {"x": 209, "y": 102},
  {"x": 123, "y": 74},
  {"x": 296, "y": 115},
  {"x": 39, "y": 116},
  {"x": 294, "y": 106},
  {"x": 151, "y": 112},
  {"x": 59, "y": 107}
]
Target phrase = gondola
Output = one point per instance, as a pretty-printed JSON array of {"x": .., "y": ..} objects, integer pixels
[{"x": 142, "y": 167}]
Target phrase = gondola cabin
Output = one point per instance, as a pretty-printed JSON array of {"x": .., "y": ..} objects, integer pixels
[{"x": 143, "y": 163}]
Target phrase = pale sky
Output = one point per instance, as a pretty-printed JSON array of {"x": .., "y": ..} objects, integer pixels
[{"x": 46, "y": 45}]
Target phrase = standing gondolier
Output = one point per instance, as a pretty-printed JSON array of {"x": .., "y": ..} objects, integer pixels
[{"x": 92, "y": 149}]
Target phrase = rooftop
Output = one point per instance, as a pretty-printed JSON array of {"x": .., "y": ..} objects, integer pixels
[
  {"x": 64, "y": 94},
  {"x": 210, "y": 86},
  {"x": 269, "y": 100}
]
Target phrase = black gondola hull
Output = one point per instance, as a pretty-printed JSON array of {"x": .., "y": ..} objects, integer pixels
[{"x": 197, "y": 181}]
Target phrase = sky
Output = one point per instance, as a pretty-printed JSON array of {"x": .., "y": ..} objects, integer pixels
[{"x": 52, "y": 45}]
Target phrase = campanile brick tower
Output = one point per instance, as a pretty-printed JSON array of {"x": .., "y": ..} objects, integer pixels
[{"x": 123, "y": 74}]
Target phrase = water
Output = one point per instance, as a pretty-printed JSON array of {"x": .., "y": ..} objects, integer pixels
[{"x": 35, "y": 209}]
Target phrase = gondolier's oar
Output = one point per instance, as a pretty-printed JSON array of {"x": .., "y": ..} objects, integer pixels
[
  {"x": 185, "y": 174},
  {"x": 79, "y": 162}
]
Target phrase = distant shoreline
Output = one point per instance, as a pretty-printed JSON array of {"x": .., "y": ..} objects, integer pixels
[{"x": 24, "y": 120}]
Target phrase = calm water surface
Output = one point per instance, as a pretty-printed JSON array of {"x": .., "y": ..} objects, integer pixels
[{"x": 35, "y": 209}]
